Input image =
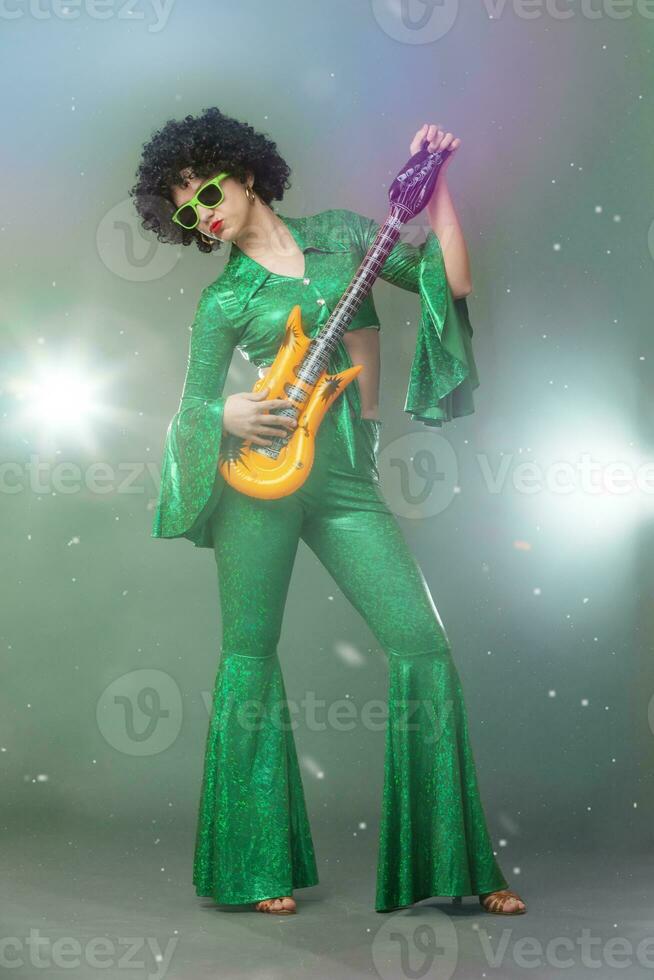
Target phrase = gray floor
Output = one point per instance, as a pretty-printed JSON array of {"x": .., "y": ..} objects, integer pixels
[{"x": 105, "y": 902}]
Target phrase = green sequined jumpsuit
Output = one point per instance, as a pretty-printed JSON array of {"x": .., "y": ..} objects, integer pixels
[{"x": 253, "y": 834}]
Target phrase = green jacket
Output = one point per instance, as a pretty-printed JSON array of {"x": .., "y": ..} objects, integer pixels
[{"x": 246, "y": 309}]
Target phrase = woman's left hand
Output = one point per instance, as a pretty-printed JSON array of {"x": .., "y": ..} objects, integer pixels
[{"x": 439, "y": 139}]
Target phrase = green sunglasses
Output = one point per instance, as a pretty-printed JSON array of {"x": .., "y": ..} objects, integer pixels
[{"x": 209, "y": 195}]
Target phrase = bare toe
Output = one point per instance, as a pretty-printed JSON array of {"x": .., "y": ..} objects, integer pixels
[
  {"x": 503, "y": 902},
  {"x": 281, "y": 904}
]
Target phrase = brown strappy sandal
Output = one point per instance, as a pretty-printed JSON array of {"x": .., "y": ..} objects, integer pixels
[
  {"x": 265, "y": 905},
  {"x": 493, "y": 902}
]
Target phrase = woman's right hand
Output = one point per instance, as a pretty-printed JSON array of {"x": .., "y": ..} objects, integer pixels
[{"x": 247, "y": 415}]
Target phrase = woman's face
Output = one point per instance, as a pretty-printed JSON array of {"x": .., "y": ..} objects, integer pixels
[{"x": 233, "y": 210}]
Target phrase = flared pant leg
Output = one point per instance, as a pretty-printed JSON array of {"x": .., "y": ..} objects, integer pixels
[
  {"x": 253, "y": 836},
  {"x": 433, "y": 834}
]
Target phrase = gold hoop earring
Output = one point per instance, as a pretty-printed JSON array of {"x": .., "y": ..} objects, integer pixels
[
  {"x": 207, "y": 241},
  {"x": 249, "y": 193}
]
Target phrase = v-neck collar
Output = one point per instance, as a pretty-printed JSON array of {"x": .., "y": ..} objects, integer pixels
[{"x": 242, "y": 275}]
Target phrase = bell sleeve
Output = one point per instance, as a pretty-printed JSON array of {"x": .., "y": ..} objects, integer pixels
[
  {"x": 191, "y": 482},
  {"x": 443, "y": 372}
]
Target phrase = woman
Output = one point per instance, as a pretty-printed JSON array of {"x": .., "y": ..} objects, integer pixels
[{"x": 210, "y": 179}]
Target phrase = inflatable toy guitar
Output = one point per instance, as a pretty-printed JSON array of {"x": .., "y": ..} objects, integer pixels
[{"x": 280, "y": 468}]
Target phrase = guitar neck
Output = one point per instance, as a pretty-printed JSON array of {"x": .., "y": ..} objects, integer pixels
[
  {"x": 408, "y": 194},
  {"x": 362, "y": 282},
  {"x": 364, "y": 278}
]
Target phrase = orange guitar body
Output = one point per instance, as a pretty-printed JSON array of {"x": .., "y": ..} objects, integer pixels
[{"x": 250, "y": 470}]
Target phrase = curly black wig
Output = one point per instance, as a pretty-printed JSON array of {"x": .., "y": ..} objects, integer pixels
[{"x": 205, "y": 144}]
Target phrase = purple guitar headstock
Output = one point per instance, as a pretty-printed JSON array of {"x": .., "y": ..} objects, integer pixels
[{"x": 414, "y": 185}]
